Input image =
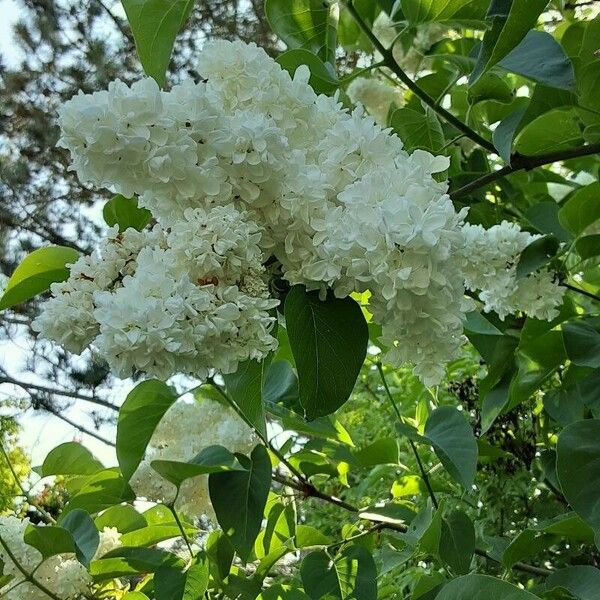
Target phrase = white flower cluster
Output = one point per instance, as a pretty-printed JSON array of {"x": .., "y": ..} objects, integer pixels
[
  {"x": 187, "y": 299},
  {"x": 185, "y": 430},
  {"x": 246, "y": 165},
  {"x": 62, "y": 575},
  {"x": 490, "y": 264}
]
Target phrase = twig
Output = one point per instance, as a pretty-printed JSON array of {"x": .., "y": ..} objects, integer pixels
[
  {"x": 47, "y": 516},
  {"x": 27, "y": 576},
  {"x": 81, "y": 428},
  {"x": 518, "y": 566},
  {"x": 424, "y": 474},
  {"x": 581, "y": 291},
  {"x": 525, "y": 163},
  {"x": 390, "y": 62},
  {"x": 66, "y": 393}
]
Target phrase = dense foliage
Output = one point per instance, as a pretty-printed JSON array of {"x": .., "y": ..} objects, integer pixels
[{"x": 294, "y": 260}]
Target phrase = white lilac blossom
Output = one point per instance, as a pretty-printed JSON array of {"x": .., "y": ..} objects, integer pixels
[
  {"x": 62, "y": 574},
  {"x": 185, "y": 430},
  {"x": 490, "y": 264},
  {"x": 377, "y": 96},
  {"x": 250, "y": 165}
]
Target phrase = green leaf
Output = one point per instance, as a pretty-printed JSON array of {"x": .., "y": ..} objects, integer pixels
[
  {"x": 329, "y": 342},
  {"x": 418, "y": 129},
  {"x": 381, "y": 452},
  {"x": 457, "y": 542},
  {"x": 582, "y": 343},
  {"x": 465, "y": 12},
  {"x": 125, "y": 213},
  {"x": 454, "y": 443},
  {"x": 239, "y": 499},
  {"x": 172, "y": 584},
  {"x": 49, "y": 540},
  {"x": 582, "y": 581},
  {"x": 141, "y": 412},
  {"x": 84, "y": 533},
  {"x": 581, "y": 209},
  {"x": 245, "y": 388},
  {"x": 220, "y": 552},
  {"x": 70, "y": 458},
  {"x": 36, "y": 272},
  {"x": 322, "y": 76},
  {"x": 511, "y": 22},
  {"x": 155, "y": 24},
  {"x": 135, "y": 596},
  {"x": 395, "y": 513},
  {"x": 125, "y": 561},
  {"x": 588, "y": 246},
  {"x": 482, "y": 587},
  {"x": 578, "y": 470},
  {"x": 100, "y": 491},
  {"x": 537, "y": 254},
  {"x": 541, "y": 58},
  {"x": 352, "y": 574},
  {"x": 308, "y": 24},
  {"x": 123, "y": 517},
  {"x": 491, "y": 87},
  {"x": 212, "y": 459},
  {"x": 558, "y": 129},
  {"x": 528, "y": 543}
]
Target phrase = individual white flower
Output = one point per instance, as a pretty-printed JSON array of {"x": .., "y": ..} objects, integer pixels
[
  {"x": 62, "y": 574},
  {"x": 184, "y": 431},
  {"x": 110, "y": 539},
  {"x": 376, "y": 96}
]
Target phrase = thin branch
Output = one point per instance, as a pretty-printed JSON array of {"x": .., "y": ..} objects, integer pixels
[
  {"x": 81, "y": 428},
  {"x": 45, "y": 514},
  {"x": 27, "y": 576},
  {"x": 413, "y": 446},
  {"x": 525, "y": 163},
  {"x": 58, "y": 392},
  {"x": 518, "y": 566},
  {"x": 390, "y": 62},
  {"x": 581, "y": 291}
]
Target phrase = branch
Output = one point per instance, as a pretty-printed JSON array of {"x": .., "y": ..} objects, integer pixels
[
  {"x": 27, "y": 576},
  {"x": 390, "y": 62},
  {"x": 81, "y": 428},
  {"x": 413, "y": 446},
  {"x": 48, "y": 390},
  {"x": 525, "y": 163},
  {"x": 581, "y": 291},
  {"x": 518, "y": 566}
]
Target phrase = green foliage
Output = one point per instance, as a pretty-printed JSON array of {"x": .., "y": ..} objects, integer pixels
[
  {"x": 141, "y": 412},
  {"x": 155, "y": 24},
  {"x": 446, "y": 496},
  {"x": 329, "y": 341},
  {"x": 36, "y": 273},
  {"x": 125, "y": 213}
]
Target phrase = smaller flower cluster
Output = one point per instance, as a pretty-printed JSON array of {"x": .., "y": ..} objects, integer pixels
[
  {"x": 490, "y": 264},
  {"x": 184, "y": 431},
  {"x": 187, "y": 299}
]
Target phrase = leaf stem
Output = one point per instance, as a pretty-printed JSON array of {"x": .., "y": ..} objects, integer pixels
[
  {"x": 390, "y": 62},
  {"x": 171, "y": 507},
  {"x": 413, "y": 446},
  {"x": 582, "y": 291}
]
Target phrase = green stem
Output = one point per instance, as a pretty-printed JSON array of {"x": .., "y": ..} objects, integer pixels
[
  {"x": 262, "y": 438},
  {"x": 413, "y": 446},
  {"x": 390, "y": 62},
  {"x": 171, "y": 507},
  {"x": 27, "y": 576}
]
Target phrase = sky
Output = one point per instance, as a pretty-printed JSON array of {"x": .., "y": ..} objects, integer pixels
[{"x": 41, "y": 431}]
